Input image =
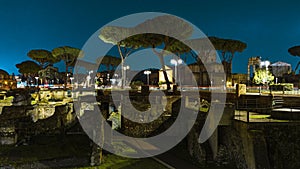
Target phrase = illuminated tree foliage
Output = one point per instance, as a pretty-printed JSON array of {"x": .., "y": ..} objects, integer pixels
[{"x": 263, "y": 76}]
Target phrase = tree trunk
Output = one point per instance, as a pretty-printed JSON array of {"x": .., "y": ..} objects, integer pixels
[
  {"x": 123, "y": 73},
  {"x": 66, "y": 75},
  {"x": 227, "y": 69},
  {"x": 122, "y": 66},
  {"x": 162, "y": 62},
  {"x": 96, "y": 156}
]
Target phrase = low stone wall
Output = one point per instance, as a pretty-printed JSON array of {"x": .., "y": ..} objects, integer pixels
[
  {"x": 233, "y": 141},
  {"x": 57, "y": 95},
  {"x": 28, "y": 120},
  {"x": 283, "y": 145},
  {"x": 252, "y": 146},
  {"x": 263, "y": 145},
  {"x": 8, "y": 135},
  {"x": 162, "y": 113},
  {"x": 196, "y": 150},
  {"x": 137, "y": 129},
  {"x": 63, "y": 117}
]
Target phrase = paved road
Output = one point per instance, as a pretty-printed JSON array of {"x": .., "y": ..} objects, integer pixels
[
  {"x": 175, "y": 162},
  {"x": 168, "y": 159}
]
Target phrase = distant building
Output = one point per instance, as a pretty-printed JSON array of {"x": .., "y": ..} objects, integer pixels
[
  {"x": 281, "y": 68},
  {"x": 210, "y": 74},
  {"x": 169, "y": 72},
  {"x": 140, "y": 76},
  {"x": 213, "y": 73},
  {"x": 200, "y": 74},
  {"x": 253, "y": 62},
  {"x": 3, "y": 75},
  {"x": 7, "y": 81},
  {"x": 238, "y": 78}
]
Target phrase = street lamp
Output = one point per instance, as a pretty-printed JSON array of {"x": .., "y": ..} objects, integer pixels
[
  {"x": 37, "y": 81},
  {"x": 176, "y": 62},
  {"x": 147, "y": 72},
  {"x": 224, "y": 84},
  {"x": 71, "y": 78},
  {"x": 88, "y": 78},
  {"x": 116, "y": 80},
  {"x": 125, "y": 68}
]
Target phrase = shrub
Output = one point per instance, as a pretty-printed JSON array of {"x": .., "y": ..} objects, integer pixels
[
  {"x": 282, "y": 86},
  {"x": 136, "y": 84}
]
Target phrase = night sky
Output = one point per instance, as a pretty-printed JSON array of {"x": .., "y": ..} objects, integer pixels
[{"x": 269, "y": 27}]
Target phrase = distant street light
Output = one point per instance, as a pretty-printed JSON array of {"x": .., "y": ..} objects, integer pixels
[
  {"x": 224, "y": 84},
  {"x": 125, "y": 68},
  {"x": 147, "y": 72},
  {"x": 116, "y": 79},
  {"x": 37, "y": 81},
  {"x": 72, "y": 78},
  {"x": 176, "y": 62},
  {"x": 88, "y": 78}
]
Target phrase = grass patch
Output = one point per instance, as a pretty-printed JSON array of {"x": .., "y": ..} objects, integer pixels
[
  {"x": 45, "y": 148},
  {"x": 260, "y": 116},
  {"x": 116, "y": 162},
  {"x": 53, "y": 147}
]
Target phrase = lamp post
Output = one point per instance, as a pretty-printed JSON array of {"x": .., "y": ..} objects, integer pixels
[
  {"x": 108, "y": 78},
  {"x": 176, "y": 62},
  {"x": 147, "y": 72},
  {"x": 72, "y": 78},
  {"x": 88, "y": 78},
  {"x": 124, "y": 80},
  {"x": 37, "y": 81},
  {"x": 224, "y": 84},
  {"x": 117, "y": 81}
]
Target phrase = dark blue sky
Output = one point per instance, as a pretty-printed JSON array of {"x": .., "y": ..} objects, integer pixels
[{"x": 269, "y": 27}]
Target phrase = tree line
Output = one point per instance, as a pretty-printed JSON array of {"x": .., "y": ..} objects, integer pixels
[
  {"x": 128, "y": 40},
  {"x": 173, "y": 39},
  {"x": 46, "y": 58}
]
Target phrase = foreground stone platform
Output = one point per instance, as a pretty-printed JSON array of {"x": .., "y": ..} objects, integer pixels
[{"x": 286, "y": 114}]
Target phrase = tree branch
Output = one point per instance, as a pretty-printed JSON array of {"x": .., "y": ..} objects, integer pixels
[
  {"x": 129, "y": 52},
  {"x": 155, "y": 51},
  {"x": 120, "y": 51}
]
